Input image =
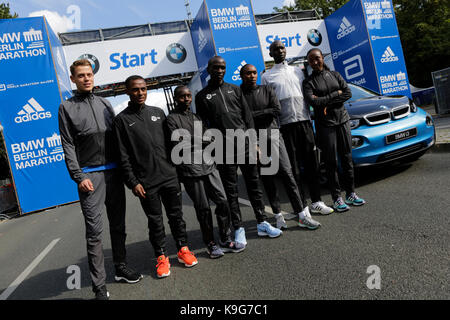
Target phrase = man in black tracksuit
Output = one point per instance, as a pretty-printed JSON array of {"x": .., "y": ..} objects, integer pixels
[
  {"x": 200, "y": 177},
  {"x": 265, "y": 108},
  {"x": 222, "y": 106},
  {"x": 327, "y": 91},
  {"x": 143, "y": 143}
]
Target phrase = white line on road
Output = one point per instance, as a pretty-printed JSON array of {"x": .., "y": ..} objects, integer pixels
[{"x": 13, "y": 286}]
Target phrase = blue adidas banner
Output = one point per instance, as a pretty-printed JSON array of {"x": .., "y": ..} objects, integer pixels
[
  {"x": 203, "y": 42},
  {"x": 228, "y": 29},
  {"x": 350, "y": 45},
  {"x": 29, "y": 102},
  {"x": 386, "y": 47},
  {"x": 366, "y": 48}
]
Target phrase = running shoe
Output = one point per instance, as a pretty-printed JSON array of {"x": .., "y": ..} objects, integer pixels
[
  {"x": 231, "y": 246},
  {"x": 353, "y": 199},
  {"x": 124, "y": 273},
  {"x": 340, "y": 206},
  {"x": 281, "y": 223},
  {"x": 162, "y": 267},
  {"x": 321, "y": 208},
  {"x": 101, "y": 293},
  {"x": 265, "y": 229},
  {"x": 309, "y": 223},
  {"x": 214, "y": 251},
  {"x": 186, "y": 257},
  {"x": 239, "y": 238}
]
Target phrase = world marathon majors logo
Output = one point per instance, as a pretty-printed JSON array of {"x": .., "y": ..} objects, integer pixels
[
  {"x": 176, "y": 53},
  {"x": 95, "y": 63},
  {"x": 314, "y": 37}
]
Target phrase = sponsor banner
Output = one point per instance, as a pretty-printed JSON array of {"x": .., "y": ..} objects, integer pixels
[
  {"x": 203, "y": 42},
  {"x": 235, "y": 36},
  {"x": 152, "y": 56},
  {"x": 350, "y": 45},
  {"x": 29, "y": 114},
  {"x": 298, "y": 37},
  {"x": 386, "y": 47}
]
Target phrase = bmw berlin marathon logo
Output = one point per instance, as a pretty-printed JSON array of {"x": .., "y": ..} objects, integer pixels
[
  {"x": 176, "y": 53},
  {"x": 314, "y": 37},
  {"x": 92, "y": 59}
]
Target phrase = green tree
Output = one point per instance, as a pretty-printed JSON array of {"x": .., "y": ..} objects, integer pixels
[
  {"x": 424, "y": 27},
  {"x": 4, "y": 168},
  {"x": 5, "y": 12}
]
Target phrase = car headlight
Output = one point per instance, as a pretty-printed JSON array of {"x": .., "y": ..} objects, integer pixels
[
  {"x": 413, "y": 106},
  {"x": 357, "y": 142},
  {"x": 354, "y": 123}
]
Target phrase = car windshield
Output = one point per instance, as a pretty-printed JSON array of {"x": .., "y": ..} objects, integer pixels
[{"x": 360, "y": 93}]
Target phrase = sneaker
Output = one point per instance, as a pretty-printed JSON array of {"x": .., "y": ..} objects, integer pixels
[
  {"x": 214, "y": 251},
  {"x": 281, "y": 223},
  {"x": 265, "y": 229},
  {"x": 354, "y": 200},
  {"x": 231, "y": 246},
  {"x": 340, "y": 206},
  {"x": 186, "y": 257},
  {"x": 320, "y": 207},
  {"x": 162, "y": 267},
  {"x": 309, "y": 223},
  {"x": 124, "y": 273},
  {"x": 239, "y": 238},
  {"x": 101, "y": 293}
]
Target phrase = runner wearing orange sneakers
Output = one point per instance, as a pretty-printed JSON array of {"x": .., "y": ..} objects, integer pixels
[{"x": 144, "y": 157}]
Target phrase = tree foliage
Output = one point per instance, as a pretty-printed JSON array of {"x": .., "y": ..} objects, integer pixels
[
  {"x": 424, "y": 27},
  {"x": 5, "y": 12}
]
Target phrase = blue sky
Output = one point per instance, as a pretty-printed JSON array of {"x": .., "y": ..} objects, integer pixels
[{"x": 95, "y": 14}]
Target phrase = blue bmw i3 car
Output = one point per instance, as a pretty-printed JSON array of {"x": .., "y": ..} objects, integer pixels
[{"x": 387, "y": 128}]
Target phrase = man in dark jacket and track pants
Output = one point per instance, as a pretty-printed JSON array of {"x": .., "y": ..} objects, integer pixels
[
  {"x": 91, "y": 157},
  {"x": 265, "y": 108},
  {"x": 222, "y": 106},
  {"x": 143, "y": 141}
]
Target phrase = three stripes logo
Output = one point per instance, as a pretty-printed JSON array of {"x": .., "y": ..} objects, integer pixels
[
  {"x": 345, "y": 28},
  {"x": 32, "y": 111},
  {"x": 237, "y": 73},
  {"x": 388, "y": 56}
]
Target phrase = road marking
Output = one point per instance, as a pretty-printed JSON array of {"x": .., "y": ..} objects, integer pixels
[
  {"x": 13, "y": 286},
  {"x": 268, "y": 209}
]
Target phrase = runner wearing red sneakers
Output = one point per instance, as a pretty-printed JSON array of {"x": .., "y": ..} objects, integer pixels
[{"x": 144, "y": 157}]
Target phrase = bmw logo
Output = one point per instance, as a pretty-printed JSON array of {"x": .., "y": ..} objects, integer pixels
[
  {"x": 176, "y": 53},
  {"x": 92, "y": 59},
  {"x": 314, "y": 37}
]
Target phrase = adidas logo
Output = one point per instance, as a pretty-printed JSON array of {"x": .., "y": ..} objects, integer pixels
[
  {"x": 388, "y": 56},
  {"x": 202, "y": 41},
  {"x": 237, "y": 73},
  {"x": 32, "y": 111},
  {"x": 345, "y": 28}
]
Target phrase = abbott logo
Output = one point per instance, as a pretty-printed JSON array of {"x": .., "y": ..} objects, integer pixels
[
  {"x": 345, "y": 28},
  {"x": 237, "y": 73},
  {"x": 32, "y": 111},
  {"x": 388, "y": 56},
  {"x": 353, "y": 67}
]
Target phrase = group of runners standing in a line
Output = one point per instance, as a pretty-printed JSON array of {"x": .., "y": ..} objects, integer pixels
[{"x": 103, "y": 152}]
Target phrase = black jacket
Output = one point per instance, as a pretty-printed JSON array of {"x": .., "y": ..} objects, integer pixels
[
  {"x": 223, "y": 107},
  {"x": 179, "y": 119},
  {"x": 85, "y": 122},
  {"x": 143, "y": 143},
  {"x": 264, "y": 106},
  {"x": 325, "y": 85}
]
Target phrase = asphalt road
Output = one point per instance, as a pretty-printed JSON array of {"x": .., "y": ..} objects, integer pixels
[{"x": 403, "y": 230}]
